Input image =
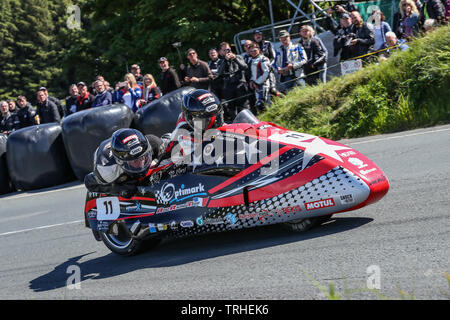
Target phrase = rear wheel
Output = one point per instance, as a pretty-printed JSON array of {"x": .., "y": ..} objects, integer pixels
[{"x": 302, "y": 225}]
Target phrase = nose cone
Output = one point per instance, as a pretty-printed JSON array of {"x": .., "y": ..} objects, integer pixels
[{"x": 367, "y": 171}]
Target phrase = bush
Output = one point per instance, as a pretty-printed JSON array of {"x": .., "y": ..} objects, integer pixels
[{"x": 409, "y": 90}]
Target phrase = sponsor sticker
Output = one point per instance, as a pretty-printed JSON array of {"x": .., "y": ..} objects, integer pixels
[
  {"x": 133, "y": 136},
  {"x": 319, "y": 204},
  {"x": 136, "y": 150},
  {"x": 231, "y": 218},
  {"x": 199, "y": 221},
  {"x": 152, "y": 228},
  {"x": 170, "y": 193},
  {"x": 187, "y": 224},
  {"x": 364, "y": 172},
  {"x": 347, "y": 199}
]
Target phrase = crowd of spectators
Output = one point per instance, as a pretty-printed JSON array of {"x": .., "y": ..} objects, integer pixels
[{"x": 247, "y": 80}]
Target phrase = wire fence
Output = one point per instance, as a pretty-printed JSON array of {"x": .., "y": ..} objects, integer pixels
[{"x": 317, "y": 72}]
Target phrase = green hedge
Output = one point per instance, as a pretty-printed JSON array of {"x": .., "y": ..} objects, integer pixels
[{"x": 411, "y": 89}]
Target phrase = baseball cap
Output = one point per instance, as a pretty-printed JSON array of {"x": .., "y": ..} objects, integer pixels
[
  {"x": 257, "y": 31},
  {"x": 283, "y": 33},
  {"x": 81, "y": 83},
  {"x": 345, "y": 16},
  {"x": 162, "y": 59},
  {"x": 42, "y": 89}
]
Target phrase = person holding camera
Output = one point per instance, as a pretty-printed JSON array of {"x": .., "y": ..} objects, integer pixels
[
  {"x": 128, "y": 92},
  {"x": 364, "y": 38},
  {"x": 232, "y": 72},
  {"x": 406, "y": 21}
]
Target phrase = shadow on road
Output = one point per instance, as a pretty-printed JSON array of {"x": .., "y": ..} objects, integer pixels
[{"x": 186, "y": 250}]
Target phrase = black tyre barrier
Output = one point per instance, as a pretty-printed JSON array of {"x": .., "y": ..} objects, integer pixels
[
  {"x": 36, "y": 157},
  {"x": 84, "y": 131},
  {"x": 160, "y": 116},
  {"x": 5, "y": 181}
]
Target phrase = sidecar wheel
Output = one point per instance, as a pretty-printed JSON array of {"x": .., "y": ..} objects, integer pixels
[{"x": 302, "y": 225}]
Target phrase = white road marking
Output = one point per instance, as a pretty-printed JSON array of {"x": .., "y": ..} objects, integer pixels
[
  {"x": 39, "y": 193},
  {"x": 23, "y": 216},
  {"x": 40, "y": 228},
  {"x": 398, "y": 137}
]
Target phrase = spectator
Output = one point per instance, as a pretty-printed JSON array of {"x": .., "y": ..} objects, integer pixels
[
  {"x": 103, "y": 97},
  {"x": 150, "y": 90},
  {"x": 71, "y": 100},
  {"x": 264, "y": 45},
  {"x": 267, "y": 49},
  {"x": 398, "y": 15},
  {"x": 248, "y": 73},
  {"x": 343, "y": 36},
  {"x": 85, "y": 98},
  {"x": 315, "y": 54},
  {"x": 393, "y": 44},
  {"x": 136, "y": 71},
  {"x": 346, "y": 8},
  {"x": 46, "y": 109},
  {"x": 9, "y": 122},
  {"x": 260, "y": 79},
  {"x": 129, "y": 92},
  {"x": 364, "y": 36},
  {"x": 381, "y": 27},
  {"x": 197, "y": 74},
  {"x": 246, "y": 55},
  {"x": 407, "y": 26},
  {"x": 12, "y": 105},
  {"x": 232, "y": 73},
  {"x": 447, "y": 12},
  {"x": 214, "y": 64},
  {"x": 430, "y": 25},
  {"x": 289, "y": 61},
  {"x": 435, "y": 10},
  {"x": 26, "y": 112},
  {"x": 169, "y": 77},
  {"x": 61, "y": 109}
]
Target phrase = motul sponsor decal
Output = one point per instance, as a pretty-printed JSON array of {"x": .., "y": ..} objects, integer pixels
[{"x": 319, "y": 204}]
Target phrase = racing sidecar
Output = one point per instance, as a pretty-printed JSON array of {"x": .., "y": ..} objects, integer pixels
[{"x": 247, "y": 175}]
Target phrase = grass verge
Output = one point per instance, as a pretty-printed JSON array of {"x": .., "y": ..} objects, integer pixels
[{"x": 409, "y": 90}]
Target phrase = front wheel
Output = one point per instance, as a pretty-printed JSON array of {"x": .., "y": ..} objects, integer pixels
[{"x": 119, "y": 241}]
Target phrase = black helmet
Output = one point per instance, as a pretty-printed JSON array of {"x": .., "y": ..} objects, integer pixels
[
  {"x": 202, "y": 108},
  {"x": 132, "y": 151}
]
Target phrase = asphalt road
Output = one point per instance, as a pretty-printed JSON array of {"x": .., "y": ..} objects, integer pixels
[{"x": 399, "y": 244}]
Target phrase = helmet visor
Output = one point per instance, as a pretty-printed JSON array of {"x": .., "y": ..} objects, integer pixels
[{"x": 138, "y": 165}]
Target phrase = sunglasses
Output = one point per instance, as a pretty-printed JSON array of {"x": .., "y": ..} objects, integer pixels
[{"x": 254, "y": 50}]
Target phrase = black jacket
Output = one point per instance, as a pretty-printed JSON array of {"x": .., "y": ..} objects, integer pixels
[
  {"x": 26, "y": 116},
  {"x": 232, "y": 72},
  {"x": 366, "y": 39},
  {"x": 169, "y": 81},
  {"x": 9, "y": 123},
  {"x": 435, "y": 10},
  {"x": 315, "y": 55},
  {"x": 48, "y": 112}
]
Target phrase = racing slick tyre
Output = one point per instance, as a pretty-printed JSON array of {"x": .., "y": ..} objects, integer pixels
[
  {"x": 119, "y": 241},
  {"x": 302, "y": 225}
]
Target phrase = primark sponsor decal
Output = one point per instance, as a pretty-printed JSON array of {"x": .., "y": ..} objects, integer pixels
[
  {"x": 319, "y": 204},
  {"x": 169, "y": 193}
]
